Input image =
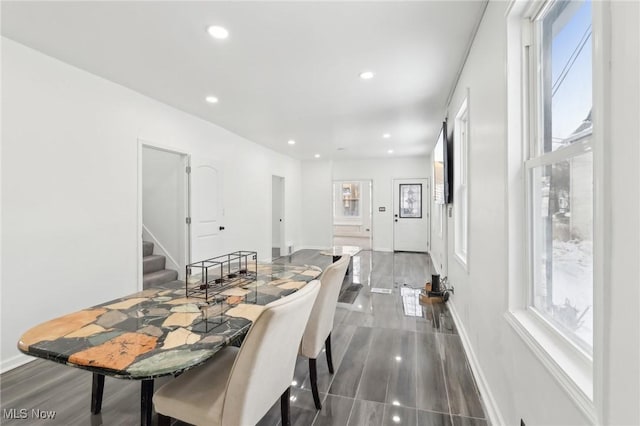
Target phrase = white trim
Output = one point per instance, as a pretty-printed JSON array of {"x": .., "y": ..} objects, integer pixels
[
  {"x": 463, "y": 264},
  {"x": 461, "y": 125},
  {"x": 15, "y": 362},
  {"x": 139, "y": 236},
  {"x": 310, "y": 248},
  {"x": 561, "y": 154},
  {"x": 486, "y": 395},
  {"x": 140, "y": 231},
  {"x": 385, "y": 249},
  {"x": 574, "y": 377},
  {"x": 601, "y": 36}
]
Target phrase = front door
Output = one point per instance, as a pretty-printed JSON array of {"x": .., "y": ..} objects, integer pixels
[
  {"x": 207, "y": 209},
  {"x": 411, "y": 215}
]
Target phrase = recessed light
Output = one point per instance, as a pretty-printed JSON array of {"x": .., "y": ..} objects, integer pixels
[
  {"x": 291, "y": 142},
  {"x": 398, "y": 358},
  {"x": 218, "y": 32},
  {"x": 211, "y": 99},
  {"x": 396, "y": 419},
  {"x": 390, "y": 151},
  {"x": 317, "y": 156},
  {"x": 386, "y": 136},
  {"x": 366, "y": 75}
]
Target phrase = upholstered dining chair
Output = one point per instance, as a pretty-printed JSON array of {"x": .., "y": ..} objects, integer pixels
[
  {"x": 239, "y": 385},
  {"x": 318, "y": 331}
]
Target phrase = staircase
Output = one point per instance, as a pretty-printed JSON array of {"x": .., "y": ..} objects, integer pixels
[{"x": 154, "y": 273}]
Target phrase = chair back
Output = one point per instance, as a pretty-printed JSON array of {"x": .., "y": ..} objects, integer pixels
[
  {"x": 265, "y": 364},
  {"x": 320, "y": 322}
]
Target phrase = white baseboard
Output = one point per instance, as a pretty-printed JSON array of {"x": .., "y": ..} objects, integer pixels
[
  {"x": 385, "y": 249},
  {"x": 490, "y": 406},
  {"x": 14, "y": 362},
  {"x": 313, "y": 248}
]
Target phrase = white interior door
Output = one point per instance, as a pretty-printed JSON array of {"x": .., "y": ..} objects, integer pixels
[
  {"x": 277, "y": 217},
  {"x": 206, "y": 209},
  {"x": 411, "y": 215}
]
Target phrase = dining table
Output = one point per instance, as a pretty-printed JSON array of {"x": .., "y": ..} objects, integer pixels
[{"x": 159, "y": 331}]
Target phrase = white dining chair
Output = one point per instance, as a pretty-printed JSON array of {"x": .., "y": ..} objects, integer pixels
[
  {"x": 237, "y": 386},
  {"x": 318, "y": 331}
]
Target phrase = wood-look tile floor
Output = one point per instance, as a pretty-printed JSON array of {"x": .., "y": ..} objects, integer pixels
[{"x": 391, "y": 367}]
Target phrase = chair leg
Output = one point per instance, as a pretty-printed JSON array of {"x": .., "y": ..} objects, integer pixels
[
  {"x": 164, "y": 420},
  {"x": 314, "y": 382},
  {"x": 284, "y": 407},
  {"x": 327, "y": 345}
]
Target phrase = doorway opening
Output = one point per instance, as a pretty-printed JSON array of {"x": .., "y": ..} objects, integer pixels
[
  {"x": 164, "y": 205},
  {"x": 278, "y": 246},
  {"x": 352, "y": 210}
]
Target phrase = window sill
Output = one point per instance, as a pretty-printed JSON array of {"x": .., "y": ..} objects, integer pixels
[
  {"x": 463, "y": 263},
  {"x": 568, "y": 364}
]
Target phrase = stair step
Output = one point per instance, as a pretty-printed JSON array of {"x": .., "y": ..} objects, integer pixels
[
  {"x": 157, "y": 278},
  {"x": 147, "y": 248},
  {"x": 153, "y": 263}
]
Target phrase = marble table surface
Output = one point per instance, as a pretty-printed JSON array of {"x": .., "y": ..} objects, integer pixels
[{"x": 159, "y": 331}]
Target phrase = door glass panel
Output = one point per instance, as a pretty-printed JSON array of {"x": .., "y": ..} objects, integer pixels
[{"x": 411, "y": 200}]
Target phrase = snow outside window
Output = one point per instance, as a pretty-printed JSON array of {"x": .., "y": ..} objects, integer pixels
[{"x": 559, "y": 172}]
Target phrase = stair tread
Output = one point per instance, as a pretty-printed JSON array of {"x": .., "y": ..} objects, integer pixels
[
  {"x": 153, "y": 256},
  {"x": 160, "y": 273},
  {"x": 155, "y": 262},
  {"x": 158, "y": 278}
]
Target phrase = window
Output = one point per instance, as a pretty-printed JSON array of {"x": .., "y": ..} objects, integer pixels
[
  {"x": 556, "y": 84},
  {"x": 460, "y": 192},
  {"x": 559, "y": 171}
]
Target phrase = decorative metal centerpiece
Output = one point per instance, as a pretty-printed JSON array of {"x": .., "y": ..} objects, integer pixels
[{"x": 223, "y": 281}]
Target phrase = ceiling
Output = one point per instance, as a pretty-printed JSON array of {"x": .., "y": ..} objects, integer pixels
[{"x": 288, "y": 70}]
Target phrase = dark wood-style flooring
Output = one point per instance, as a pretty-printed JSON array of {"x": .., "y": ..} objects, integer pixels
[{"x": 391, "y": 366}]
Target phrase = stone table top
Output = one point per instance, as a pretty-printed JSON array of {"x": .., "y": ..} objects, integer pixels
[{"x": 159, "y": 331}]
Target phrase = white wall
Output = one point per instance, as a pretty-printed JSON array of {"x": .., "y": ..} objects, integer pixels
[
  {"x": 69, "y": 187},
  {"x": 164, "y": 201},
  {"x": 382, "y": 172},
  {"x": 514, "y": 380},
  {"x": 316, "y": 200}
]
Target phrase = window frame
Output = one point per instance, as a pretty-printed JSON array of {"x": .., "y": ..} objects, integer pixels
[
  {"x": 578, "y": 374},
  {"x": 539, "y": 118},
  {"x": 461, "y": 183}
]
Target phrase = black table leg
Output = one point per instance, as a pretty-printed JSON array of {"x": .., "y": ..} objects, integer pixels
[
  {"x": 146, "y": 402},
  {"x": 97, "y": 389}
]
